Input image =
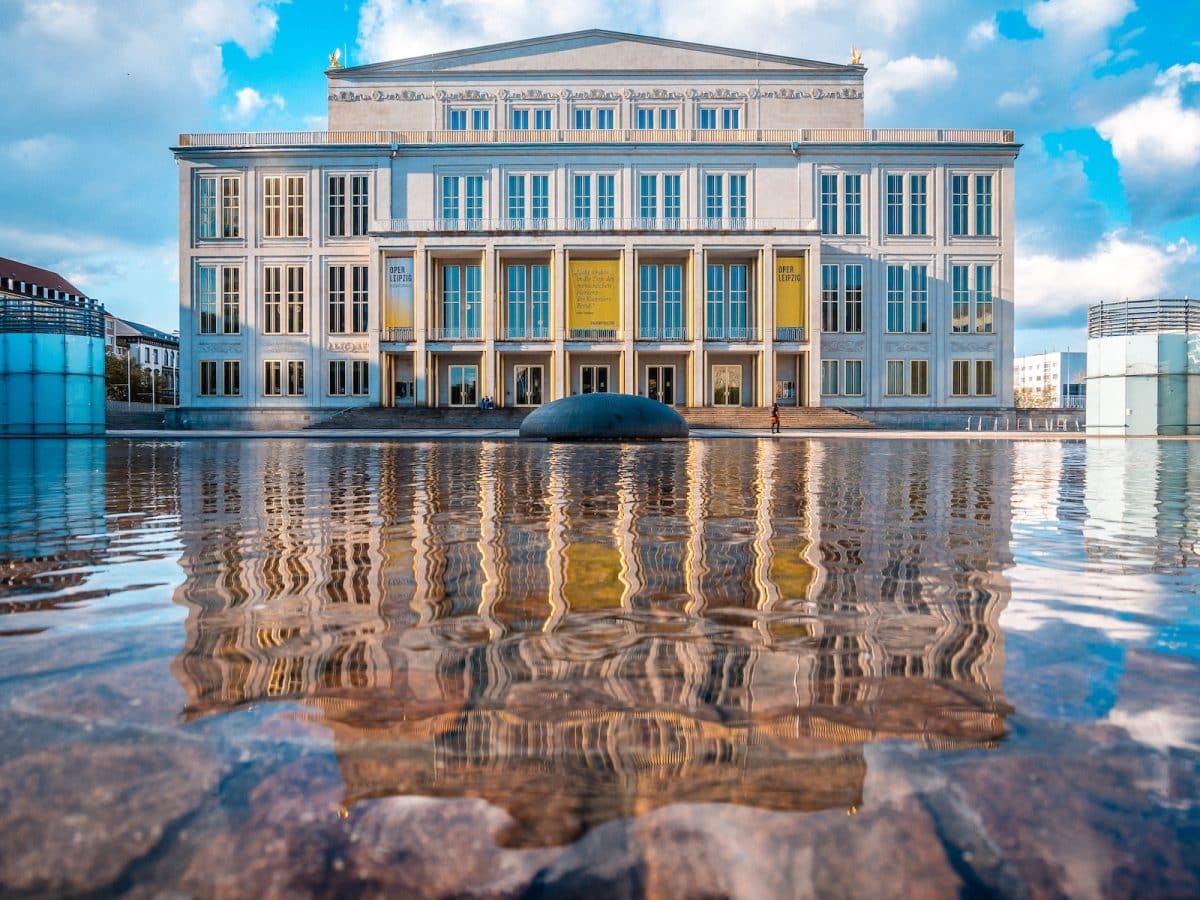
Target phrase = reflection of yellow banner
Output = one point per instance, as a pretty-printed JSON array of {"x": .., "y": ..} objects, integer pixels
[
  {"x": 398, "y": 310},
  {"x": 595, "y": 293},
  {"x": 789, "y": 292},
  {"x": 593, "y": 576}
]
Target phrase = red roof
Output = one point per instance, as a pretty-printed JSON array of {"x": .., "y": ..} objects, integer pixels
[{"x": 32, "y": 275}]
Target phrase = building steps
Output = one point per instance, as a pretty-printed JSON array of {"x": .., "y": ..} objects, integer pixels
[{"x": 757, "y": 417}]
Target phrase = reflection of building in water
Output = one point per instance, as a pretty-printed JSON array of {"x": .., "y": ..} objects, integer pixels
[
  {"x": 52, "y": 523},
  {"x": 584, "y": 632}
]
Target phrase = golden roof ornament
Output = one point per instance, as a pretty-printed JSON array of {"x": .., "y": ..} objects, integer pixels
[
  {"x": 855, "y": 56},
  {"x": 335, "y": 59}
]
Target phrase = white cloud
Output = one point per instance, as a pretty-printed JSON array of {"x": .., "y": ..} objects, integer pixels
[
  {"x": 1077, "y": 19},
  {"x": 1157, "y": 132},
  {"x": 982, "y": 33},
  {"x": 910, "y": 73},
  {"x": 249, "y": 104},
  {"x": 1119, "y": 267},
  {"x": 1019, "y": 99},
  {"x": 1163, "y": 727}
]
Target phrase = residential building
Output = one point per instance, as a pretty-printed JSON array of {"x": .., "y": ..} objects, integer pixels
[
  {"x": 151, "y": 348},
  {"x": 1056, "y": 379},
  {"x": 589, "y": 212}
]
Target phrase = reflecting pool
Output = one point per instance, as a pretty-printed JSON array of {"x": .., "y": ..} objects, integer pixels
[{"x": 700, "y": 668}]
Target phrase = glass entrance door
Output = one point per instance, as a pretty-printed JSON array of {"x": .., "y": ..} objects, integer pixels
[
  {"x": 727, "y": 385},
  {"x": 528, "y": 381},
  {"x": 463, "y": 385},
  {"x": 593, "y": 379},
  {"x": 660, "y": 384}
]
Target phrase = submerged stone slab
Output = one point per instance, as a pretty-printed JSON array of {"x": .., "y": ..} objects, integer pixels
[{"x": 604, "y": 417}]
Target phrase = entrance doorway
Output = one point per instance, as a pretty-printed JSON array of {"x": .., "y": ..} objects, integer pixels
[
  {"x": 528, "y": 383},
  {"x": 593, "y": 379},
  {"x": 727, "y": 385},
  {"x": 464, "y": 381},
  {"x": 660, "y": 384}
]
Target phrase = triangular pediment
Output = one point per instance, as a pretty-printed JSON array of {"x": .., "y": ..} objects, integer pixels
[{"x": 597, "y": 51}]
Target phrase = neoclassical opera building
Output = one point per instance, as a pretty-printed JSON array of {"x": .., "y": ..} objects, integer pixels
[{"x": 595, "y": 211}]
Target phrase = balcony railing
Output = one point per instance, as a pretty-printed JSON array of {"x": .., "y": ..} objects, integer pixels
[
  {"x": 572, "y": 224},
  {"x": 792, "y": 334},
  {"x": 398, "y": 334},
  {"x": 731, "y": 333},
  {"x": 784, "y": 136},
  {"x": 1160, "y": 315},
  {"x": 455, "y": 333},
  {"x": 527, "y": 333},
  {"x": 593, "y": 334},
  {"x": 663, "y": 333}
]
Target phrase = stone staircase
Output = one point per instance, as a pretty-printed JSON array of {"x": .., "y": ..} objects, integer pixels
[
  {"x": 424, "y": 418},
  {"x": 120, "y": 416},
  {"x": 791, "y": 418}
]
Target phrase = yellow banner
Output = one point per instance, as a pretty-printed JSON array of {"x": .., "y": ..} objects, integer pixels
[
  {"x": 595, "y": 294},
  {"x": 790, "y": 309},
  {"x": 398, "y": 307}
]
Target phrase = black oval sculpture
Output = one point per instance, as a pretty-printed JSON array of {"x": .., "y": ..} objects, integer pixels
[{"x": 604, "y": 417}]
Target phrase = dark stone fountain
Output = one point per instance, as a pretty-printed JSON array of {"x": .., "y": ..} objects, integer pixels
[{"x": 604, "y": 417}]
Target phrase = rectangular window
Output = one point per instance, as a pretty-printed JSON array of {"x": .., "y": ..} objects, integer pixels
[
  {"x": 983, "y": 204},
  {"x": 206, "y": 207},
  {"x": 517, "y": 301},
  {"x": 853, "y": 201},
  {"x": 830, "y": 300},
  {"x": 918, "y": 204},
  {"x": 220, "y": 206},
  {"x": 473, "y": 208},
  {"x": 672, "y": 300},
  {"x": 583, "y": 201},
  {"x": 983, "y": 378},
  {"x": 337, "y": 205},
  {"x": 727, "y": 302},
  {"x": 450, "y": 199},
  {"x": 737, "y": 200},
  {"x": 583, "y": 119},
  {"x": 829, "y": 204},
  {"x": 208, "y": 378},
  {"x": 606, "y": 200},
  {"x": 359, "y": 206},
  {"x": 895, "y": 204},
  {"x": 648, "y": 199},
  {"x": 960, "y": 299},
  {"x": 295, "y": 206},
  {"x": 359, "y": 301},
  {"x": 918, "y": 377},
  {"x": 231, "y": 300},
  {"x": 645, "y": 118},
  {"x": 463, "y": 385},
  {"x": 708, "y": 118},
  {"x": 714, "y": 203},
  {"x": 335, "y": 305},
  {"x": 206, "y": 298},
  {"x": 458, "y": 120},
  {"x": 918, "y": 300},
  {"x": 516, "y": 200},
  {"x": 295, "y": 299},
  {"x": 895, "y": 378},
  {"x": 668, "y": 118},
  {"x": 520, "y": 119},
  {"x": 360, "y": 372},
  {"x": 960, "y": 377},
  {"x": 272, "y": 300},
  {"x": 829, "y": 377},
  {"x": 543, "y": 119},
  {"x": 540, "y": 200},
  {"x": 852, "y": 383},
  {"x": 714, "y": 306},
  {"x": 273, "y": 206},
  {"x": 461, "y": 299},
  {"x": 337, "y": 378},
  {"x": 604, "y": 119},
  {"x": 983, "y": 300},
  {"x": 231, "y": 386},
  {"x": 731, "y": 118},
  {"x": 671, "y": 202},
  {"x": 959, "y": 204},
  {"x": 854, "y": 299},
  {"x": 648, "y": 302},
  {"x": 295, "y": 378},
  {"x": 272, "y": 378},
  {"x": 895, "y": 299},
  {"x": 481, "y": 119}
]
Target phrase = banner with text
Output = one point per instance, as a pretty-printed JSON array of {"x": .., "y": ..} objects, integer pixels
[
  {"x": 398, "y": 310},
  {"x": 595, "y": 294},
  {"x": 790, "y": 308}
]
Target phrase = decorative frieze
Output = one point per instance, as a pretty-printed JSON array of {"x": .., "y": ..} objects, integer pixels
[
  {"x": 347, "y": 346},
  {"x": 377, "y": 96},
  {"x": 529, "y": 94},
  {"x": 203, "y": 347},
  {"x": 590, "y": 94},
  {"x": 817, "y": 93},
  {"x": 469, "y": 94},
  {"x": 842, "y": 346},
  {"x": 653, "y": 94},
  {"x": 906, "y": 346}
]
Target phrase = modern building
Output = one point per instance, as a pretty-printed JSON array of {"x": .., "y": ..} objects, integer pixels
[
  {"x": 51, "y": 354},
  {"x": 1143, "y": 367},
  {"x": 1051, "y": 379},
  {"x": 595, "y": 211}
]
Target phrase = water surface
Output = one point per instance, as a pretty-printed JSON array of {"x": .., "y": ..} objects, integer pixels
[{"x": 728, "y": 667}]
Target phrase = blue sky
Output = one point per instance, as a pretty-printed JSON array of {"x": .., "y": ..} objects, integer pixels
[{"x": 1104, "y": 94}]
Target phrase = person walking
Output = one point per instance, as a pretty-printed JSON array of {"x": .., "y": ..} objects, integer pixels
[{"x": 774, "y": 418}]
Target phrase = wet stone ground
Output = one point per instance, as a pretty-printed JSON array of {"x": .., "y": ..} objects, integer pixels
[{"x": 724, "y": 668}]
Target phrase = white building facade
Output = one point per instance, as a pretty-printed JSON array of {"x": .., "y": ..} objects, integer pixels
[
  {"x": 1056, "y": 379},
  {"x": 596, "y": 212}
]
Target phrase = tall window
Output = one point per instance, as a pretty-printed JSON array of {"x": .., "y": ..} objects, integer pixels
[
  {"x": 847, "y": 207},
  {"x": 830, "y": 299},
  {"x": 829, "y": 376},
  {"x": 295, "y": 378},
  {"x": 908, "y": 204},
  {"x": 829, "y": 204},
  {"x": 660, "y": 302},
  {"x": 481, "y": 119},
  {"x": 219, "y": 211},
  {"x": 652, "y": 188},
  {"x": 283, "y": 206},
  {"x": 737, "y": 199},
  {"x": 960, "y": 377},
  {"x": 983, "y": 204},
  {"x": 604, "y": 187},
  {"x": 984, "y": 386},
  {"x": 520, "y": 119},
  {"x": 852, "y": 383},
  {"x": 272, "y": 378},
  {"x": 960, "y": 201},
  {"x": 337, "y": 378},
  {"x": 458, "y": 120},
  {"x": 971, "y": 205},
  {"x": 272, "y": 299},
  {"x": 983, "y": 300},
  {"x": 714, "y": 201},
  {"x": 348, "y": 205},
  {"x": 461, "y": 297},
  {"x": 853, "y": 203},
  {"x": 716, "y": 187},
  {"x": 960, "y": 299},
  {"x": 918, "y": 299},
  {"x": 967, "y": 303},
  {"x": 918, "y": 377},
  {"x": 727, "y": 301},
  {"x": 219, "y": 299},
  {"x": 295, "y": 299},
  {"x": 583, "y": 201},
  {"x": 543, "y": 119},
  {"x": 528, "y": 194},
  {"x": 895, "y": 299},
  {"x": 338, "y": 301},
  {"x": 208, "y": 378},
  {"x": 672, "y": 202},
  {"x": 231, "y": 380},
  {"x": 895, "y": 378},
  {"x": 360, "y": 378},
  {"x": 527, "y": 289},
  {"x": 462, "y": 200},
  {"x": 854, "y": 298},
  {"x": 648, "y": 199},
  {"x": 583, "y": 119}
]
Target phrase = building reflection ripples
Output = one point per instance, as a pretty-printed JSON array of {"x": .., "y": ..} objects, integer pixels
[{"x": 578, "y": 633}]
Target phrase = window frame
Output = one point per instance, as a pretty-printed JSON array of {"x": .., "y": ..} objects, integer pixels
[
  {"x": 221, "y": 307},
  {"x": 973, "y": 205},
  {"x": 223, "y": 214},
  {"x": 907, "y": 206},
  {"x": 291, "y": 207},
  {"x": 355, "y": 219}
]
